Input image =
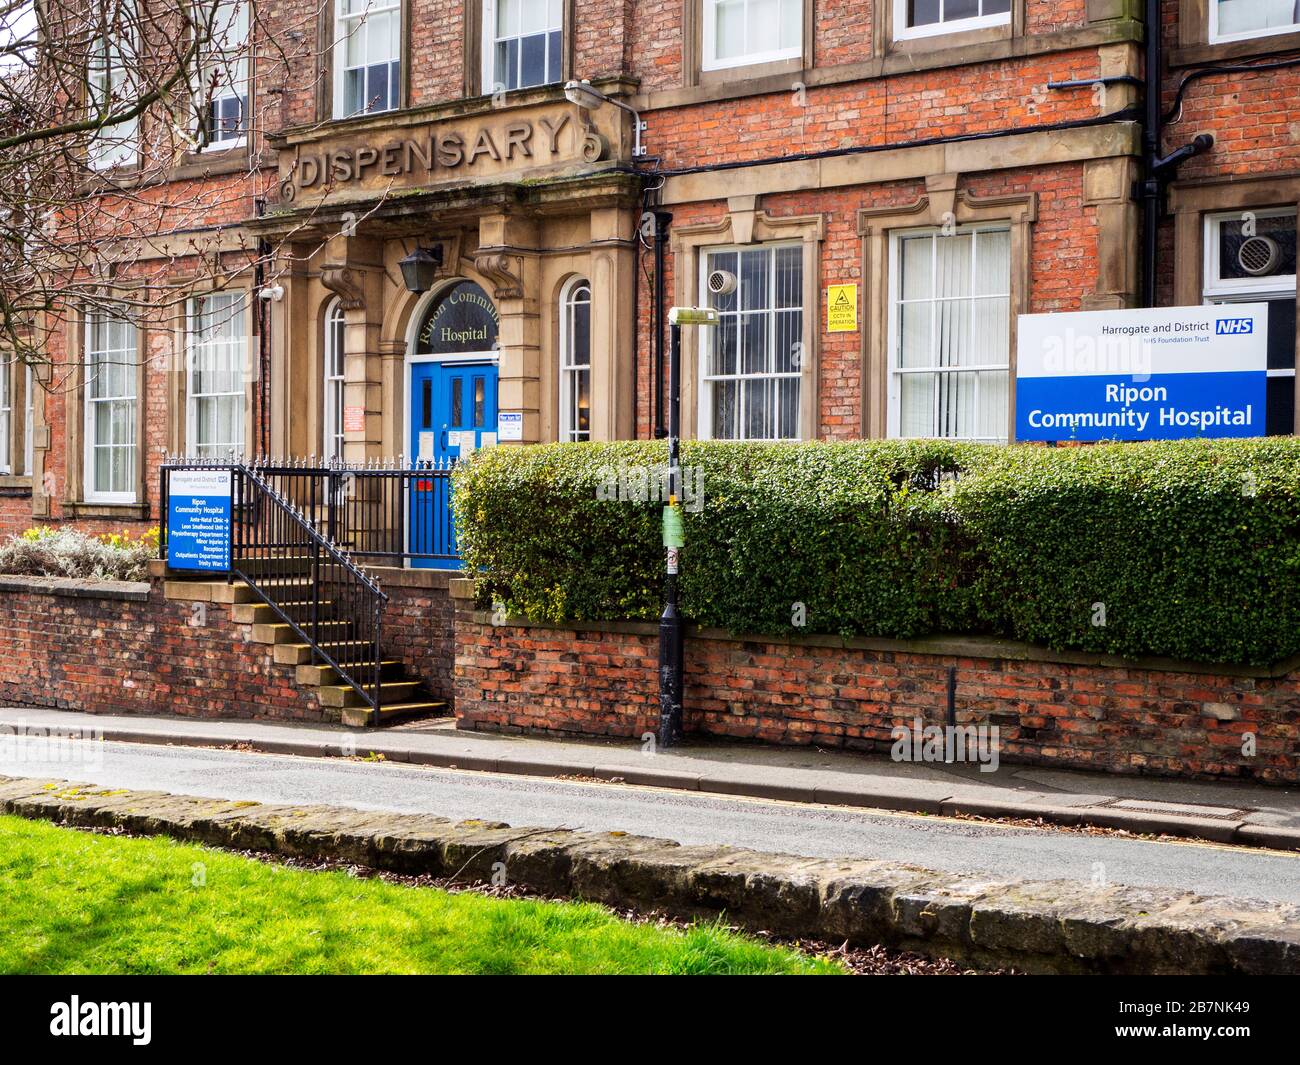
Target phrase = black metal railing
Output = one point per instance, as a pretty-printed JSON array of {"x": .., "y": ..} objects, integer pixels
[
  {"x": 310, "y": 584},
  {"x": 385, "y": 512}
]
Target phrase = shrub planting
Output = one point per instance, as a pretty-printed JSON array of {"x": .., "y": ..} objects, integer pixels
[
  {"x": 48, "y": 552},
  {"x": 1188, "y": 549}
]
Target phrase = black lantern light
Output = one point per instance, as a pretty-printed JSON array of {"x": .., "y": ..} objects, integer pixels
[{"x": 420, "y": 268}]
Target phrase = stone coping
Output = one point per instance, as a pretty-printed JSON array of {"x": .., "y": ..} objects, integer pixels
[
  {"x": 987, "y": 647},
  {"x": 387, "y": 576},
  {"x": 76, "y": 588},
  {"x": 1058, "y": 926}
]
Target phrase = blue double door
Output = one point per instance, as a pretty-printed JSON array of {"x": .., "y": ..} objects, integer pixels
[{"x": 453, "y": 409}]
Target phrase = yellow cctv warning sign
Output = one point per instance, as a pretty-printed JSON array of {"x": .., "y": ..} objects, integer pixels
[{"x": 842, "y": 309}]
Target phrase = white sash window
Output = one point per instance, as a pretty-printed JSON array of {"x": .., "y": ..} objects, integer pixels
[{"x": 950, "y": 334}]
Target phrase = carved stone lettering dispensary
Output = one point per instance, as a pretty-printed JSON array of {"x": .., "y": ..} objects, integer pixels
[{"x": 449, "y": 151}]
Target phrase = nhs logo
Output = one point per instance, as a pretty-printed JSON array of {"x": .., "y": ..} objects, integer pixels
[{"x": 1235, "y": 326}]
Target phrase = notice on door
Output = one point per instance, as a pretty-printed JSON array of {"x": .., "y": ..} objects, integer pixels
[
  {"x": 198, "y": 520},
  {"x": 510, "y": 426},
  {"x": 842, "y": 309}
]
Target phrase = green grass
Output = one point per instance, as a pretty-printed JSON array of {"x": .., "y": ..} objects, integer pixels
[{"x": 73, "y": 902}]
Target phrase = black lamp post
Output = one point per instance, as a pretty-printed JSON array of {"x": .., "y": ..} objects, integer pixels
[
  {"x": 420, "y": 268},
  {"x": 671, "y": 666}
]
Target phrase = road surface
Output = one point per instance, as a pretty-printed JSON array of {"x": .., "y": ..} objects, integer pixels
[{"x": 1004, "y": 852}]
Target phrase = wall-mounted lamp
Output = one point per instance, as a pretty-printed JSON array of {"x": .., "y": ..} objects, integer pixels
[
  {"x": 420, "y": 268},
  {"x": 585, "y": 95}
]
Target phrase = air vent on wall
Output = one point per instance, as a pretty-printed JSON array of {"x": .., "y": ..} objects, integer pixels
[{"x": 1258, "y": 256}]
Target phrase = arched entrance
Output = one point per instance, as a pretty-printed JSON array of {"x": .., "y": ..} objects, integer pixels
[{"x": 451, "y": 402}]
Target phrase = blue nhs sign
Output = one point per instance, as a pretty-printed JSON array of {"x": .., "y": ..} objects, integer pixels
[
  {"x": 1161, "y": 374},
  {"x": 1235, "y": 326}
]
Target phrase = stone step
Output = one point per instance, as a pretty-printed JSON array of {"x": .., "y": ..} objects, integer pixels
[
  {"x": 394, "y": 691},
  {"x": 299, "y": 654},
  {"x": 281, "y": 632},
  {"x": 318, "y": 674},
  {"x": 360, "y": 716},
  {"x": 262, "y": 613},
  {"x": 281, "y": 565}
]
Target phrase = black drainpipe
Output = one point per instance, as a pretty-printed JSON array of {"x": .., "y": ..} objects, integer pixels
[
  {"x": 1158, "y": 170},
  {"x": 1152, "y": 137},
  {"x": 662, "y": 221},
  {"x": 263, "y": 338}
]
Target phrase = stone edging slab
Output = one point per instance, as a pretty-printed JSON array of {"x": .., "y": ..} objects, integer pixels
[
  {"x": 68, "y": 587},
  {"x": 1050, "y": 926}
]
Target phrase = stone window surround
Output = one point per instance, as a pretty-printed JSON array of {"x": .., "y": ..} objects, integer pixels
[
  {"x": 177, "y": 366},
  {"x": 886, "y": 42},
  {"x": 1194, "y": 44},
  {"x": 473, "y": 75},
  {"x": 180, "y": 411},
  {"x": 941, "y": 202},
  {"x": 16, "y": 370},
  {"x": 745, "y": 223},
  {"x": 1191, "y": 204},
  {"x": 472, "y": 71},
  {"x": 693, "y": 72},
  {"x": 73, "y": 503},
  {"x": 325, "y": 89}
]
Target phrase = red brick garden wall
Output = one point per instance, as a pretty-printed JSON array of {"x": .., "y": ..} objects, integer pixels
[
  {"x": 123, "y": 649},
  {"x": 418, "y": 626},
  {"x": 1071, "y": 711}
]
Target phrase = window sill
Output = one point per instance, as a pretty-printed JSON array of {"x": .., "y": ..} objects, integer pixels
[
  {"x": 953, "y": 38},
  {"x": 15, "y": 485},
  {"x": 123, "y": 511},
  {"x": 1226, "y": 51},
  {"x": 213, "y": 162},
  {"x": 749, "y": 71}
]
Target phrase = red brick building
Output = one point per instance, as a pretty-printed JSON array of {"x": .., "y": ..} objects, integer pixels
[{"x": 954, "y": 162}]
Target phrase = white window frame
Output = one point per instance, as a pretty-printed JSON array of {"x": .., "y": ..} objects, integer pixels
[
  {"x": 904, "y": 32},
  {"x": 706, "y": 341},
  {"x": 709, "y": 44},
  {"x": 29, "y": 419},
  {"x": 122, "y": 147},
  {"x": 1215, "y": 284},
  {"x": 240, "y": 345},
  {"x": 1220, "y": 38},
  {"x": 895, "y": 372},
  {"x": 6, "y": 415},
  {"x": 569, "y": 370},
  {"x": 344, "y": 26},
  {"x": 490, "y": 41},
  {"x": 234, "y": 72},
  {"x": 332, "y": 396},
  {"x": 89, "y": 438},
  {"x": 1217, "y": 291}
]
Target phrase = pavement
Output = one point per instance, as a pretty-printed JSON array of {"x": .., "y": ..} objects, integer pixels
[{"x": 1221, "y": 812}]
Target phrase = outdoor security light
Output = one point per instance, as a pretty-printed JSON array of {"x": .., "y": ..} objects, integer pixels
[
  {"x": 420, "y": 268},
  {"x": 585, "y": 95}
]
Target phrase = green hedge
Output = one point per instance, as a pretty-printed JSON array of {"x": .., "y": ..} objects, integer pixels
[{"x": 1192, "y": 548}]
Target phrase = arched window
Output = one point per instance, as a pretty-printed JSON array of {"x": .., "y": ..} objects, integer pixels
[
  {"x": 332, "y": 432},
  {"x": 575, "y": 361}
]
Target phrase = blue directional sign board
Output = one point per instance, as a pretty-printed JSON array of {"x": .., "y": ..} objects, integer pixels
[
  {"x": 1161, "y": 374},
  {"x": 198, "y": 520}
]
